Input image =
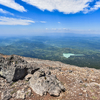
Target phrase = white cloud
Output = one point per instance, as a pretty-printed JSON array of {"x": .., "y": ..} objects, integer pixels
[
  {"x": 76, "y": 31},
  {"x": 65, "y": 6},
  {"x": 14, "y": 21},
  {"x": 95, "y": 7},
  {"x": 12, "y": 4},
  {"x": 43, "y": 21},
  {"x": 5, "y": 12}
]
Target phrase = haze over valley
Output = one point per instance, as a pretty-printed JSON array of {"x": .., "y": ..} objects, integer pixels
[{"x": 86, "y": 49}]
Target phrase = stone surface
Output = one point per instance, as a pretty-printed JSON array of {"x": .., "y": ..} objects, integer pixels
[
  {"x": 27, "y": 77},
  {"x": 42, "y": 83},
  {"x": 23, "y": 93},
  {"x": 14, "y": 68},
  {"x": 20, "y": 94},
  {"x": 48, "y": 76},
  {"x": 5, "y": 95}
]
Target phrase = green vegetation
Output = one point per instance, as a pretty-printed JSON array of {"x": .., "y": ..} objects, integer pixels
[
  {"x": 52, "y": 48},
  {"x": 94, "y": 97}
]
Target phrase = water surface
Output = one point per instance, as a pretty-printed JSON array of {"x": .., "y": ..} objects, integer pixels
[{"x": 67, "y": 55}]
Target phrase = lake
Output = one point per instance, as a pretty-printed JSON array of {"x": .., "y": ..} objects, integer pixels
[{"x": 67, "y": 55}]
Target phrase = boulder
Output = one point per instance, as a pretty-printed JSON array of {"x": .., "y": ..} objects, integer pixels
[
  {"x": 13, "y": 72},
  {"x": 14, "y": 68},
  {"x": 43, "y": 83},
  {"x": 41, "y": 80}
]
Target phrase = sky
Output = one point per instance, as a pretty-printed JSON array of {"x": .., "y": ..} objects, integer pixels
[{"x": 46, "y": 17}]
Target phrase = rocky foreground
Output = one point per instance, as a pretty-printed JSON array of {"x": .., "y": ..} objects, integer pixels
[{"x": 23, "y": 78}]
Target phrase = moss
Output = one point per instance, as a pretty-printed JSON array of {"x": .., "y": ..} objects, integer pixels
[
  {"x": 93, "y": 97},
  {"x": 26, "y": 81},
  {"x": 84, "y": 86},
  {"x": 45, "y": 78},
  {"x": 16, "y": 62},
  {"x": 13, "y": 83},
  {"x": 13, "y": 91}
]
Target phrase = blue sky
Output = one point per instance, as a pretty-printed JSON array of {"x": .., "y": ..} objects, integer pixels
[{"x": 45, "y": 17}]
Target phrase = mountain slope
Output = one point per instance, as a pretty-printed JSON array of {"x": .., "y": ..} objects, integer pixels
[{"x": 80, "y": 83}]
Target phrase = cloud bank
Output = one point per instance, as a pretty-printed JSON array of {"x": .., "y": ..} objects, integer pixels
[
  {"x": 14, "y": 21},
  {"x": 5, "y": 12},
  {"x": 12, "y": 4},
  {"x": 76, "y": 31},
  {"x": 65, "y": 6}
]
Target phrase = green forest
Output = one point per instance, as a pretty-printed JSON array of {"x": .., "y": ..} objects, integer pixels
[{"x": 52, "y": 48}]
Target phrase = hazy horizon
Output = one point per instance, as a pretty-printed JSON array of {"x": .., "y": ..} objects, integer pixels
[{"x": 49, "y": 17}]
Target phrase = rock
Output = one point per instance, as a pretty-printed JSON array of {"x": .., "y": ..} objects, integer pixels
[
  {"x": 84, "y": 91},
  {"x": 42, "y": 83},
  {"x": 32, "y": 67},
  {"x": 2, "y": 59},
  {"x": 86, "y": 95},
  {"x": 93, "y": 84},
  {"x": 70, "y": 71},
  {"x": 14, "y": 59},
  {"x": 20, "y": 94},
  {"x": 85, "y": 79},
  {"x": 23, "y": 93},
  {"x": 5, "y": 95},
  {"x": 28, "y": 92},
  {"x": 27, "y": 77},
  {"x": 48, "y": 73},
  {"x": 80, "y": 94},
  {"x": 54, "y": 91},
  {"x": 81, "y": 81},
  {"x": 13, "y": 95},
  {"x": 14, "y": 72},
  {"x": 14, "y": 68},
  {"x": 92, "y": 80}
]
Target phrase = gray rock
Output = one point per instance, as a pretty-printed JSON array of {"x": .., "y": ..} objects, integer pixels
[
  {"x": 87, "y": 95},
  {"x": 48, "y": 73},
  {"x": 14, "y": 68},
  {"x": 70, "y": 71},
  {"x": 21, "y": 94},
  {"x": 80, "y": 94},
  {"x": 32, "y": 68},
  {"x": 13, "y": 72},
  {"x": 5, "y": 95},
  {"x": 85, "y": 79},
  {"x": 27, "y": 77},
  {"x": 42, "y": 83},
  {"x": 81, "y": 81},
  {"x": 28, "y": 92}
]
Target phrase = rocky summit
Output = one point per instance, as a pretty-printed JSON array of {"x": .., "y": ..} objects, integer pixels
[{"x": 24, "y": 78}]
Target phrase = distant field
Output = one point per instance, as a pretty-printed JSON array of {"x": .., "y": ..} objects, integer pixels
[{"x": 80, "y": 51}]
